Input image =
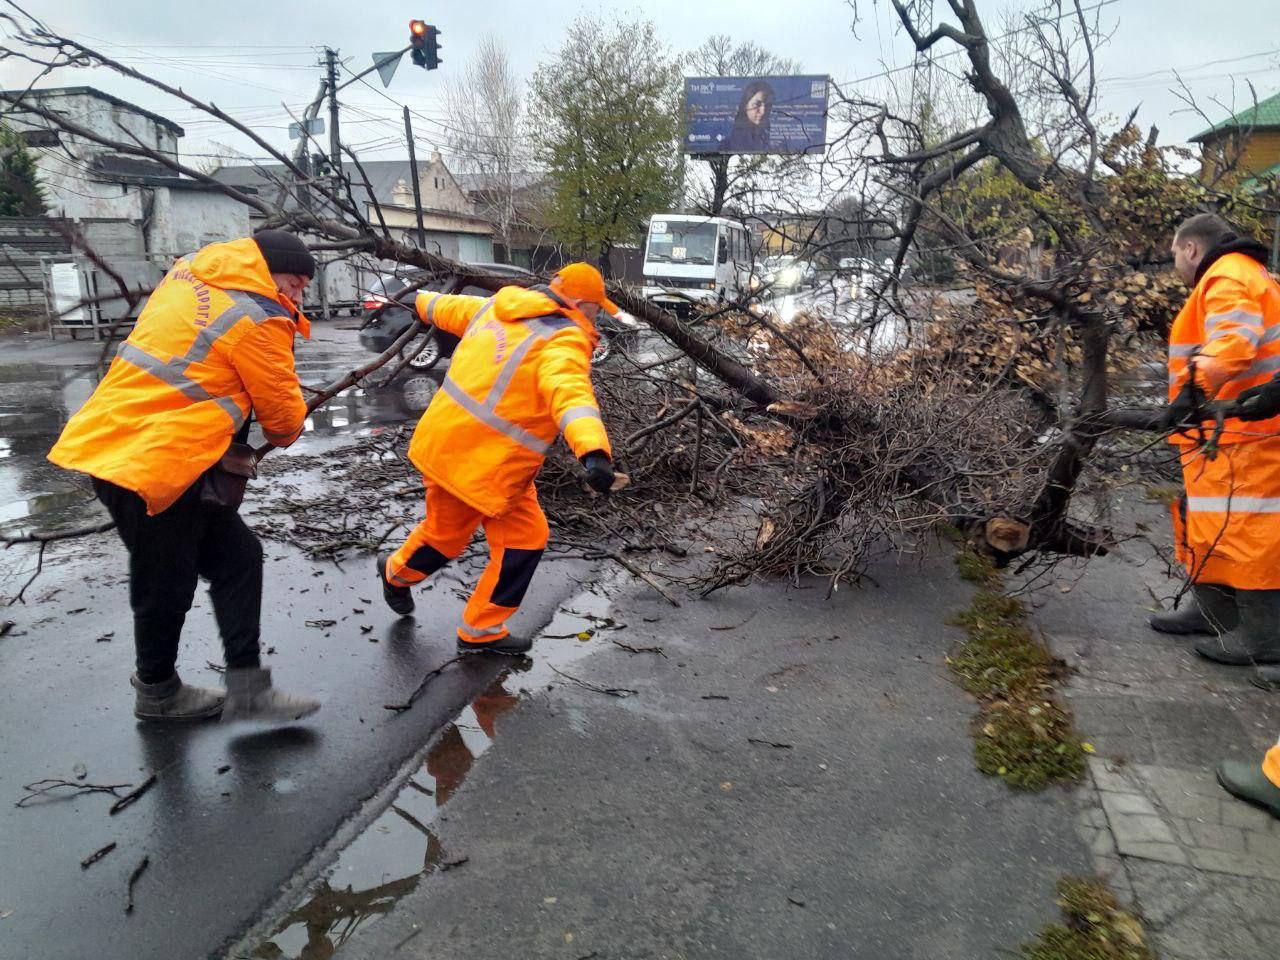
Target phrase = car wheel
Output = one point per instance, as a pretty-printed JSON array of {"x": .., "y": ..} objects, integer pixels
[
  {"x": 416, "y": 392},
  {"x": 428, "y": 356}
]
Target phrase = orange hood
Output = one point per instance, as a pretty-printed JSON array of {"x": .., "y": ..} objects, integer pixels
[
  {"x": 238, "y": 265},
  {"x": 513, "y": 304}
]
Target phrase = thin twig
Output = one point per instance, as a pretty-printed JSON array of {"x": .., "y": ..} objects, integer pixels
[
  {"x": 630, "y": 649},
  {"x": 45, "y": 790},
  {"x": 619, "y": 692},
  {"x": 133, "y": 795},
  {"x": 97, "y": 855},
  {"x": 418, "y": 690},
  {"x": 138, "y": 871}
]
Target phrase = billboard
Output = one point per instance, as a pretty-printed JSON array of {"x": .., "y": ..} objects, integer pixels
[{"x": 755, "y": 114}]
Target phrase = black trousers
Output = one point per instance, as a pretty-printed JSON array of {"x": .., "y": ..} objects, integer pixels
[{"x": 167, "y": 554}]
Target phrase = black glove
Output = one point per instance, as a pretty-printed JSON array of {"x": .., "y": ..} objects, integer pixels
[
  {"x": 599, "y": 471},
  {"x": 1260, "y": 403},
  {"x": 1187, "y": 408}
]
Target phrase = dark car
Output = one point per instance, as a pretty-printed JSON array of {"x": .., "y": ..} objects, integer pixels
[{"x": 416, "y": 384}]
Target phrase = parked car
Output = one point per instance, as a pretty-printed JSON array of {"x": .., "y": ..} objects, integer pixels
[{"x": 416, "y": 383}]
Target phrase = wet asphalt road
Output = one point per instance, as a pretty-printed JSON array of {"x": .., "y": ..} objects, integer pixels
[
  {"x": 242, "y": 825},
  {"x": 237, "y": 811}
]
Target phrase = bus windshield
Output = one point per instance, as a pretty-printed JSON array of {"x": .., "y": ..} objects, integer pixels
[{"x": 678, "y": 242}]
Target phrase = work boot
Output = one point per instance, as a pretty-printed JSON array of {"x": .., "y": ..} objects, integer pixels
[
  {"x": 250, "y": 696},
  {"x": 399, "y": 599},
  {"x": 174, "y": 700},
  {"x": 1257, "y": 638},
  {"x": 508, "y": 646},
  {"x": 1247, "y": 781}
]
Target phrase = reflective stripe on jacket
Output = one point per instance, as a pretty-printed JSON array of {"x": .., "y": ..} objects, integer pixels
[
  {"x": 1230, "y": 328},
  {"x": 520, "y": 375},
  {"x": 214, "y": 341}
]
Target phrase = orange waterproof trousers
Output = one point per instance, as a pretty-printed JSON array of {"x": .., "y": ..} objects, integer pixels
[
  {"x": 1227, "y": 527},
  {"x": 516, "y": 541}
]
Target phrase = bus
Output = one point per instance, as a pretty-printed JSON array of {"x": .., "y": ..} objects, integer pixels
[{"x": 688, "y": 257}]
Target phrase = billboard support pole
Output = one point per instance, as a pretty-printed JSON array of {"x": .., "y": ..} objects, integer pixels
[{"x": 719, "y": 164}]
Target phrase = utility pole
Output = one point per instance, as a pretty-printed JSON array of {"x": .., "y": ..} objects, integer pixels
[
  {"x": 335, "y": 142},
  {"x": 413, "y": 171},
  {"x": 335, "y": 160}
]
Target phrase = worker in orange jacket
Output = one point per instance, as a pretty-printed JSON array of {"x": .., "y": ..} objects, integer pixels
[
  {"x": 520, "y": 376},
  {"x": 1224, "y": 345},
  {"x": 212, "y": 347}
]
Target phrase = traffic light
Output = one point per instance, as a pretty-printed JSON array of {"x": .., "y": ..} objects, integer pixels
[
  {"x": 418, "y": 41},
  {"x": 424, "y": 43},
  {"x": 433, "y": 48}
]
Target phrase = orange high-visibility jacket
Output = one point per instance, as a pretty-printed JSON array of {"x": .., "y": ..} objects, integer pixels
[
  {"x": 520, "y": 375},
  {"x": 214, "y": 341},
  {"x": 1230, "y": 327}
]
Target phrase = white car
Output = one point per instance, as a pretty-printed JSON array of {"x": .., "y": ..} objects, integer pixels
[{"x": 786, "y": 272}]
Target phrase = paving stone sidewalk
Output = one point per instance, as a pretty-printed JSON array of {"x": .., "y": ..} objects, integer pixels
[{"x": 1202, "y": 867}]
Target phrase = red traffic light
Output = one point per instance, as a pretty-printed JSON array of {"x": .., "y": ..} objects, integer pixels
[{"x": 417, "y": 28}]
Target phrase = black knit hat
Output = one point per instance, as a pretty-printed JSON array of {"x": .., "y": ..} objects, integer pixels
[{"x": 285, "y": 253}]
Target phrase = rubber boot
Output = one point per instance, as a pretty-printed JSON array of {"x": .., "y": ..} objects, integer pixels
[
  {"x": 1249, "y": 783},
  {"x": 1267, "y": 678},
  {"x": 250, "y": 696},
  {"x": 1256, "y": 640},
  {"x": 1218, "y": 603},
  {"x": 1190, "y": 619},
  {"x": 507, "y": 646},
  {"x": 174, "y": 701}
]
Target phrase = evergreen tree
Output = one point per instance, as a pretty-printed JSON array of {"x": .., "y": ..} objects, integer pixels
[{"x": 20, "y": 191}]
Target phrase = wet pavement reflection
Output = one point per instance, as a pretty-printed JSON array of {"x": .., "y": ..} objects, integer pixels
[
  {"x": 35, "y": 402},
  {"x": 391, "y": 857}
]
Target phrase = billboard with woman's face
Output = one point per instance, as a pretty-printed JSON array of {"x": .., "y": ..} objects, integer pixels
[{"x": 755, "y": 114}]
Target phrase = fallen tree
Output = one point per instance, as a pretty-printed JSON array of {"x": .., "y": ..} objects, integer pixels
[{"x": 986, "y": 417}]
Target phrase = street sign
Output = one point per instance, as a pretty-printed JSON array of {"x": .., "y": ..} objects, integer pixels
[
  {"x": 311, "y": 128},
  {"x": 386, "y": 64}
]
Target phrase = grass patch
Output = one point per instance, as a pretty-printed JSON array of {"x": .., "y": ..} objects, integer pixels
[
  {"x": 1095, "y": 927},
  {"x": 1022, "y": 734},
  {"x": 974, "y": 567}
]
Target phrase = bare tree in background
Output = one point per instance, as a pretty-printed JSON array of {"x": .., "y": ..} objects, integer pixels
[{"x": 487, "y": 135}]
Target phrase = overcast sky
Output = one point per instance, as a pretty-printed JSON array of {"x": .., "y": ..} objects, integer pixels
[{"x": 250, "y": 57}]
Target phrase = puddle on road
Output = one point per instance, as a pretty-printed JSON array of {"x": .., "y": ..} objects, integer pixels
[
  {"x": 43, "y": 503},
  {"x": 388, "y": 860},
  {"x": 36, "y": 400}
]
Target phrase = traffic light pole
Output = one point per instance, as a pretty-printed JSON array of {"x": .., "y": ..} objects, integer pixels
[{"x": 413, "y": 172}]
